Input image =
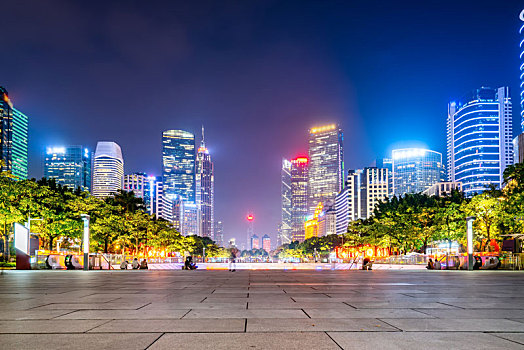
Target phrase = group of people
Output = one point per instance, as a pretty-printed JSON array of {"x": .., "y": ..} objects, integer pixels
[
  {"x": 489, "y": 264},
  {"x": 135, "y": 265}
]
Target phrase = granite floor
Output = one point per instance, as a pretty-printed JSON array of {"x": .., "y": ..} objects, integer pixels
[{"x": 262, "y": 310}]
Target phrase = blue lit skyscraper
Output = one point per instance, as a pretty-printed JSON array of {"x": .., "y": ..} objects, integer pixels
[
  {"x": 521, "y": 32},
  {"x": 6, "y": 130},
  {"x": 69, "y": 166},
  {"x": 480, "y": 143},
  {"x": 415, "y": 170}
]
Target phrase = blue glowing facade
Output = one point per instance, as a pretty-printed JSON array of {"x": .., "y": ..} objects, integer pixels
[
  {"x": 479, "y": 136},
  {"x": 521, "y": 33},
  {"x": 69, "y": 166}
]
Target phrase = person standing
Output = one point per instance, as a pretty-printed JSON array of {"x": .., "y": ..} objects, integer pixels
[{"x": 232, "y": 259}]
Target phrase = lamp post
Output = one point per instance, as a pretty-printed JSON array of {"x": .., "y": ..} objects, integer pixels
[
  {"x": 469, "y": 221},
  {"x": 85, "y": 219}
]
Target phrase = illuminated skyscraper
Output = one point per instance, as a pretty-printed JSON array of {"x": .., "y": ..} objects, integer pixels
[
  {"x": 299, "y": 196},
  {"x": 374, "y": 188},
  {"x": 178, "y": 158},
  {"x": 326, "y": 165},
  {"x": 415, "y": 170},
  {"x": 480, "y": 143},
  {"x": 219, "y": 233},
  {"x": 108, "y": 169},
  {"x": 521, "y": 32},
  {"x": 255, "y": 242},
  {"x": 69, "y": 166},
  {"x": 20, "y": 141},
  {"x": 266, "y": 243},
  {"x": 286, "y": 223},
  {"x": 6, "y": 130},
  {"x": 205, "y": 189},
  {"x": 144, "y": 187}
]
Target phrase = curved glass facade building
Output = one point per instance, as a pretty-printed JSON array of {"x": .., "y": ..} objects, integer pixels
[
  {"x": 108, "y": 169},
  {"x": 480, "y": 139},
  {"x": 521, "y": 33},
  {"x": 415, "y": 170}
]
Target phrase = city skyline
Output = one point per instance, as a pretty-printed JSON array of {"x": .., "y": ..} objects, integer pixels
[{"x": 344, "y": 95}]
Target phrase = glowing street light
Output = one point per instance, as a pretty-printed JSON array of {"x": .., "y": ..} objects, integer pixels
[
  {"x": 86, "y": 218},
  {"x": 469, "y": 221}
]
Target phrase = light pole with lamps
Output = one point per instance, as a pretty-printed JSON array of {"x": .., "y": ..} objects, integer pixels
[
  {"x": 85, "y": 219},
  {"x": 469, "y": 221}
]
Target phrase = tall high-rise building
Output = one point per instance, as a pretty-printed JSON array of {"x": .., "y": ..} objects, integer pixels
[
  {"x": 326, "y": 165},
  {"x": 142, "y": 186},
  {"x": 374, "y": 188},
  {"x": 387, "y": 163},
  {"x": 219, "y": 233},
  {"x": 255, "y": 242},
  {"x": 205, "y": 189},
  {"x": 20, "y": 142},
  {"x": 6, "y": 130},
  {"x": 479, "y": 141},
  {"x": 69, "y": 166},
  {"x": 266, "y": 243},
  {"x": 415, "y": 170},
  {"x": 286, "y": 223},
  {"x": 299, "y": 196},
  {"x": 178, "y": 158},
  {"x": 158, "y": 195},
  {"x": 521, "y": 32},
  {"x": 108, "y": 169}
]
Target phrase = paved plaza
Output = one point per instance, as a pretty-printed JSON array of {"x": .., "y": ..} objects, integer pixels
[{"x": 261, "y": 310}]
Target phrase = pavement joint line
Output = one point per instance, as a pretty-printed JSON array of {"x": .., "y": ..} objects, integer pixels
[
  {"x": 99, "y": 325},
  {"x": 154, "y": 341},
  {"x": 144, "y": 305},
  {"x": 422, "y": 312},
  {"x": 304, "y": 311},
  {"x": 344, "y": 302},
  {"x": 458, "y": 307},
  {"x": 67, "y": 313},
  {"x": 389, "y": 324},
  {"x": 334, "y": 341},
  {"x": 245, "y": 325},
  {"x": 185, "y": 314}
]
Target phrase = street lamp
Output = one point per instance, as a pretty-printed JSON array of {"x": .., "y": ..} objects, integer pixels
[
  {"x": 85, "y": 219},
  {"x": 469, "y": 221}
]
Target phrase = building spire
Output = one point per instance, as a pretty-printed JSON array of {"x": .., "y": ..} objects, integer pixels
[{"x": 203, "y": 143}]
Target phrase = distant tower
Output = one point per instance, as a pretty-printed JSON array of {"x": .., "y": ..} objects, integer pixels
[
  {"x": 205, "y": 188},
  {"x": 108, "y": 169},
  {"x": 266, "y": 243},
  {"x": 250, "y": 228},
  {"x": 521, "y": 32},
  {"x": 255, "y": 242},
  {"x": 299, "y": 196}
]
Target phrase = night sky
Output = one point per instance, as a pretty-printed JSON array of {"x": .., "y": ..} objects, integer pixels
[{"x": 257, "y": 74}]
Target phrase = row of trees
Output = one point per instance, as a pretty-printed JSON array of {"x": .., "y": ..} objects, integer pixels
[
  {"x": 118, "y": 224},
  {"x": 414, "y": 221}
]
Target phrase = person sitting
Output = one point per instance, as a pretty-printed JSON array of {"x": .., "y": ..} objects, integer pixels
[
  {"x": 189, "y": 265},
  {"x": 430, "y": 265},
  {"x": 143, "y": 265},
  {"x": 491, "y": 264},
  {"x": 478, "y": 263},
  {"x": 135, "y": 264},
  {"x": 123, "y": 265},
  {"x": 367, "y": 264}
]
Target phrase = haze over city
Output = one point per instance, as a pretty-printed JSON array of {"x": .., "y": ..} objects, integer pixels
[{"x": 256, "y": 75}]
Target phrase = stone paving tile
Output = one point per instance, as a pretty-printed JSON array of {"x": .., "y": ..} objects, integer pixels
[
  {"x": 48, "y": 326},
  {"x": 296, "y": 305},
  {"x": 31, "y": 314},
  {"x": 203, "y": 306},
  {"x": 365, "y": 313},
  {"x": 78, "y": 341},
  {"x": 221, "y": 341},
  {"x": 93, "y": 306},
  {"x": 400, "y": 305},
  {"x": 420, "y": 340},
  {"x": 473, "y": 313},
  {"x": 514, "y": 337},
  {"x": 123, "y": 314},
  {"x": 259, "y": 313},
  {"x": 168, "y": 326},
  {"x": 456, "y": 325},
  {"x": 317, "y": 325}
]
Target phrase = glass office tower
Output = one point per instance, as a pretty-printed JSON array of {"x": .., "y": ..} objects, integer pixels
[
  {"x": 286, "y": 222},
  {"x": 20, "y": 140},
  {"x": 6, "y": 130},
  {"x": 326, "y": 165},
  {"x": 299, "y": 196},
  {"x": 108, "y": 169},
  {"x": 205, "y": 189},
  {"x": 479, "y": 141},
  {"x": 178, "y": 158},
  {"x": 69, "y": 166},
  {"x": 521, "y": 33},
  {"x": 415, "y": 170}
]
